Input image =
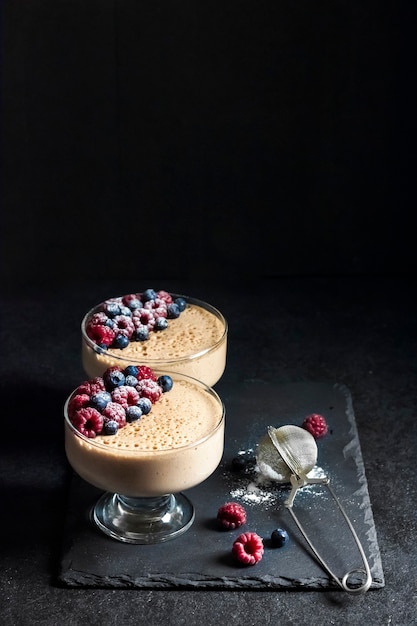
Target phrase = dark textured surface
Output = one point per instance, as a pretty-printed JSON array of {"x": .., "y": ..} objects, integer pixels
[
  {"x": 360, "y": 332},
  {"x": 202, "y": 557}
]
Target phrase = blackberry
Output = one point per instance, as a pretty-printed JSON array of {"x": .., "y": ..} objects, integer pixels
[
  {"x": 133, "y": 413},
  {"x": 165, "y": 382}
]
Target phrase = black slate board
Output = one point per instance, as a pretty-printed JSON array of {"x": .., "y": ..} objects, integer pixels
[{"x": 201, "y": 558}]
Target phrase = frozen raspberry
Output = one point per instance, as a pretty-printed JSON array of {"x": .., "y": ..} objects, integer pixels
[
  {"x": 132, "y": 300},
  {"x": 125, "y": 396},
  {"x": 316, "y": 425},
  {"x": 100, "y": 334},
  {"x": 90, "y": 387},
  {"x": 145, "y": 372},
  {"x": 88, "y": 421},
  {"x": 78, "y": 402},
  {"x": 124, "y": 325},
  {"x": 248, "y": 548},
  {"x": 116, "y": 412},
  {"x": 231, "y": 515},
  {"x": 165, "y": 296},
  {"x": 98, "y": 318},
  {"x": 148, "y": 388},
  {"x": 144, "y": 317}
]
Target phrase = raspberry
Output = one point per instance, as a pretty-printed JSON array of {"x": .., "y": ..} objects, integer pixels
[
  {"x": 165, "y": 296},
  {"x": 125, "y": 396},
  {"x": 88, "y": 421},
  {"x": 145, "y": 372},
  {"x": 116, "y": 412},
  {"x": 76, "y": 403},
  {"x": 231, "y": 515},
  {"x": 148, "y": 388},
  {"x": 98, "y": 318},
  {"x": 248, "y": 548},
  {"x": 144, "y": 317},
  {"x": 90, "y": 387},
  {"x": 100, "y": 334},
  {"x": 124, "y": 325},
  {"x": 316, "y": 425}
]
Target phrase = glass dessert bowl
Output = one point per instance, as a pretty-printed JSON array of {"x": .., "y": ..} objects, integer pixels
[
  {"x": 164, "y": 331},
  {"x": 144, "y": 467}
]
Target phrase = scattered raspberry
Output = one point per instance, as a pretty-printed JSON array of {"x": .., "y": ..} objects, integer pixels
[
  {"x": 125, "y": 396},
  {"x": 90, "y": 387},
  {"x": 248, "y": 548},
  {"x": 100, "y": 334},
  {"x": 145, "y": 372},
  {"x": 76, "y": 403},
  {"x": 316, "y": 425},
  {"x": 88, "y": 421},
  {"x": 231, "y": 515},
  {"x": 148, "y": 388},
  {"x": 116, "y": 412}
]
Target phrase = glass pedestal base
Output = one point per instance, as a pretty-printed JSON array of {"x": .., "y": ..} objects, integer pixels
[{"x": 143, "y": 520}]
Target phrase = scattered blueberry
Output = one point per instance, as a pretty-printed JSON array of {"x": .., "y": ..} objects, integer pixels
[
  {"x": 279, "y": 538},
  {"x": 110, "y": 427},
  {"x": 161, "y": 323},
  {"x": 145, "y": 405},
  {"x": 133, "y": 413},
  {"x": 165, "y": 382}
]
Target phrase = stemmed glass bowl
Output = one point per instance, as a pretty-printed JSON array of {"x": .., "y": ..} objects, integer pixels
[{"x": 145, "y": 467}]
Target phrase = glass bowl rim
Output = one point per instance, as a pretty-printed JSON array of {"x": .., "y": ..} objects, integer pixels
[{"x": 127, "y": 451}]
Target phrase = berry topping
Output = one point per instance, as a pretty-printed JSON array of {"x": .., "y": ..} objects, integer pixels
[
  {"x": 79, "y": 401},
  {"x": 279, "y": 538},
  {"x": 148, "y": 388},
  {"x": 116, "y": 412},
  {"x": 145, "y": 405},
  {"x": 92, "y": 386},
  {"x": 143, "y": 371},
  {"x": 110, "y": 427},
  {"x": 165, "y": 382},
  {"x": 125, "y": 396},
  {"x": 113, "y": 377},
  {"x": 133, "y": 413},
  {"x": 100, "y": 400},
  {"x": 316, "y": 425},
  {"x": 88, "y": 421},
  {"x": 131, "y": 370},
  {"x": 132, "y": 317},
  {"x": 231, "y": 515},
  {"x": 248, "y": 548}
]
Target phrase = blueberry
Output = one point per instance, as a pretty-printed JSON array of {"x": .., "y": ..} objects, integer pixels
[
  {"x": 181, "y": 304},
  {"x": 279, "y": 538},
  {"x": 165, "y": 382},
  {"x": 112, "y": 309},
  {"x": 131, "y": 381},
  {"x": 134, "y": 304},
  {"x": 110, "y": 323},
  {"x": 131, "y": 370},
  {"x": 100, "y": 400},
  {"x": 133, "y": 413},
  {"x": 120, "y": 341},
  {"x": 145, "y": 405},
  {"x": 141, "y": 334},
  {"x": 148, "y": 294},
  {"x": 114, "y": 378},
  {"x": 110, "y": 427},
  {"x": 173, "y": 311},
  {"x": 124, "y": 310},
  {"x": 161, "y": 323}
]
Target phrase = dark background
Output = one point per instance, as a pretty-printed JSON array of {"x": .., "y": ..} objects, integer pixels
[{"x": 212, "y": 140}]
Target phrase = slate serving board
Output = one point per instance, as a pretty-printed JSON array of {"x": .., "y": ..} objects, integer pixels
[{"x": 201, "y": 557}]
